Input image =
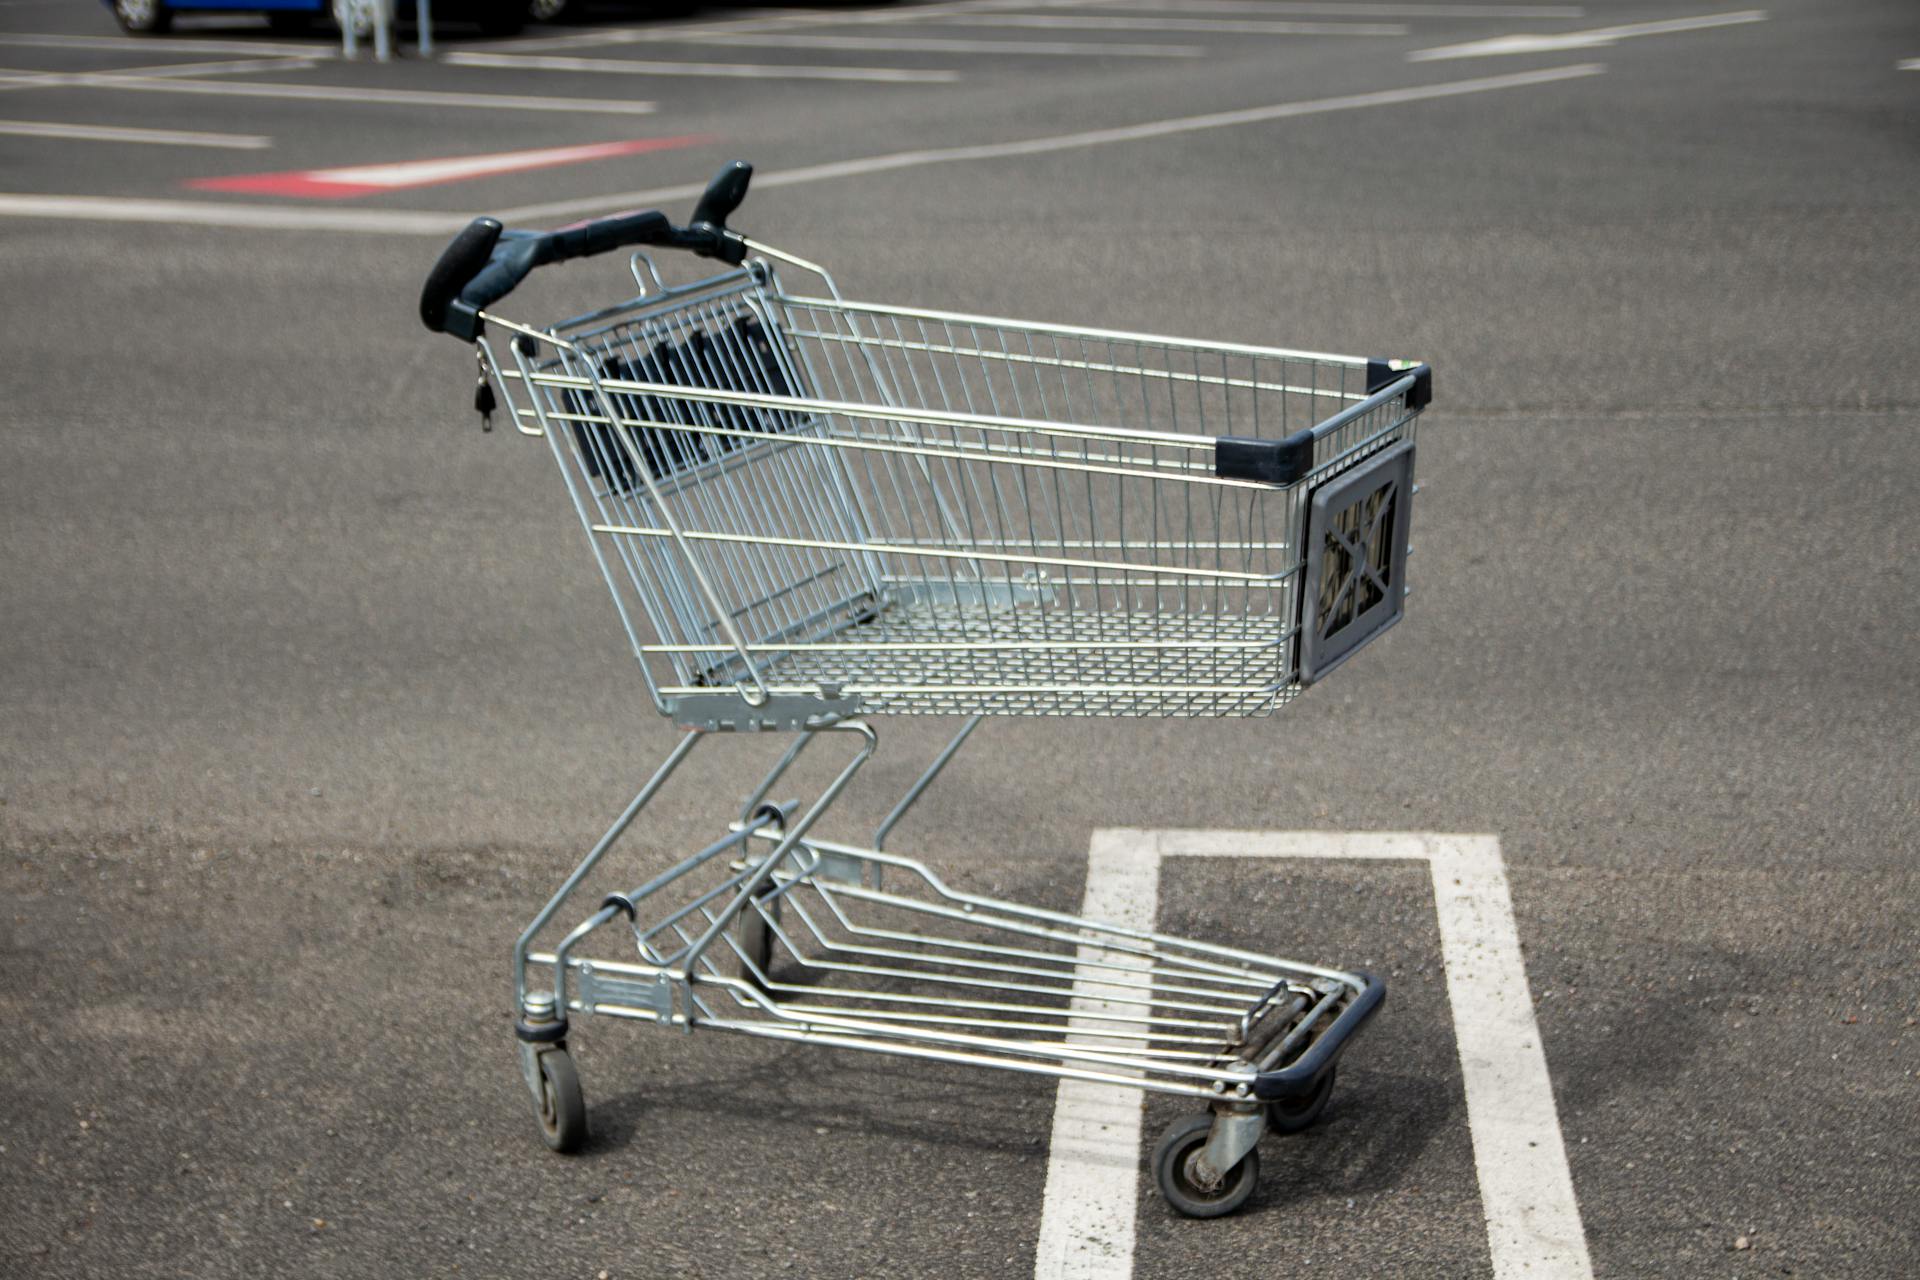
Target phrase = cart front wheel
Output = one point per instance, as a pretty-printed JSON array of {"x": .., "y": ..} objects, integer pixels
[
  {"x": 1176, "y": 1167},
  {"x": 563, "y": 1110},
  {"x": 1293, "y": 1115}
]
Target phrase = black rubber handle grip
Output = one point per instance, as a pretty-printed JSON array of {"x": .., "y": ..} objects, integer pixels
[
  {"x": 484, "y": 263},
  {"x": 459, "y": 262},
  {"x": 584, "y": 239},
  {"x": 723, "y": 195}
]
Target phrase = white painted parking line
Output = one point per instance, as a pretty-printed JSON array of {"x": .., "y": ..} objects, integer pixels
[
  {"x": 225, "y": 67},
  {"x": 19, "y": 79},
  {"x": 1597, "y": 38},
  {"x": 1204, "y": 26},
  {"x": 939, "y": 44},
  {"x": 1908, "y": 64},
  {"x": 323, "y": 93},
  {"x": 1534, "y": 1230},
  {"x": 1093, "y": 1159},
  {"x": 151, "y": 137},
  {"x": 773, "y": 22},
  {"x": 206, "y": 213},
  {"x": 724, "y": 70},
  {"x": 1315, "y": 9},
  {"x": 150, "y": 47},
  {"x": 1066, "y": 141},
  {"x": 420, "y": 222}
]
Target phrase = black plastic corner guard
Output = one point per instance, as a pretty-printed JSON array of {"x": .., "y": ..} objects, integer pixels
[
  {"x": 1268, "y": 461},
  {"x": 1382, "y": 373},
  {"x": 1297, "y": 1079},
  {"x": 1285, "y": 461}
]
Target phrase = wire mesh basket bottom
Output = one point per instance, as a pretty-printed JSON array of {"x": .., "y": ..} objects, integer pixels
[{"x": 1033, "y": 663}]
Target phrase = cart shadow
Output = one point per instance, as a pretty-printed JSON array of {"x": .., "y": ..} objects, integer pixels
[
  {"x": 826, "y": 1092},
  {"x": 1374, "y": 1137}
]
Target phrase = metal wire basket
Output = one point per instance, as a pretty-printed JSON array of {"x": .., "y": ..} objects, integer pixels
[{"x": 888, "y": 510}]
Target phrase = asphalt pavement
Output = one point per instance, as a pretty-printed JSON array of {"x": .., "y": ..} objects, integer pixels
[{"x": 309, "y": 694}]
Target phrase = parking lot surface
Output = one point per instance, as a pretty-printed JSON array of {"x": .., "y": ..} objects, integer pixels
[{"x": 309, "y": 697}]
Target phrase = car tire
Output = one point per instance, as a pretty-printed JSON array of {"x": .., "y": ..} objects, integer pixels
[
  {"x": 501, "y": 17},
  {"x": 142, "y": 17}
]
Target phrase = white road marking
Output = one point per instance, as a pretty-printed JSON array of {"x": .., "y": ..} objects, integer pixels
[
  {"x": 912, "y": 44},
  {"x": 1315, "y": 8},
  {"x": 16, "y": 79},
  {"x": 1908, "y": 64},
  {"x": 1064, "y": 141},
  {"x": 420, "y": 222},
  {"x": 227, "y": 67},
  {"x": 154, "y": 137},
  {"x": 142, "y": 44},
  {"x": 204, "y": 213},
  {"x": 420, "y": 173},
  {"x": 1534, "y": 1230},
  {"x": 1205, "y": 26},
  {"x": 322, "y": 93},
  {"x": 370, "y": 179},
  {"x": 765, "y": 22},
  {"x": 725, "y": 70},
  {"x": 1597, "y": 38},
  {"x": 1093, "y": 1159}
]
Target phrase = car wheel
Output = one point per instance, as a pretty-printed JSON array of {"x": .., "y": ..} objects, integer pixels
[
  {"x": 556, "y": 10},
  {"x": 142, "y": 17},
  {"x": 501, "y": 17}
]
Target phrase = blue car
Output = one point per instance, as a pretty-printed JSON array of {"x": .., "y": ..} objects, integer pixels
[{"x": 146, "y": 17}]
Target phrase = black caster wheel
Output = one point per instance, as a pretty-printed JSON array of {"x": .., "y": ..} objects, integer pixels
[
  {"x": 1294, "y": 1115},
  {"x": 1174, "y": 1169},
  {"x": 563, "y": 1111},
  {"x": 755, "y": 937}
]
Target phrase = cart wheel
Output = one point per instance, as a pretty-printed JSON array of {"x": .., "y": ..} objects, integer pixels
[
  {"x": 563, "y": 1111},
  {"x": 756, "y": 941},
  {"x": 1173, "y": 1161},
  {"x": 1295, "y": 1115}
]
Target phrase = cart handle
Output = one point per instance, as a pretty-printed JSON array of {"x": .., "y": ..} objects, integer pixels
[{"x": 484, "y": 262}]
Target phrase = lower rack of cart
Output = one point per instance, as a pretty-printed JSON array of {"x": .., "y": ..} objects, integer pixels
[{"x": 772, "y": 932}]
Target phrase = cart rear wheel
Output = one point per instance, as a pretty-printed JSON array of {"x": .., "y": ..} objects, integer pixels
[
  {"x": 563, "y": 1110},
  {"x": 1293, "y": 1115},
  {"x": 756, "y": 944},
  {"x": 1174, "y": 1168}
]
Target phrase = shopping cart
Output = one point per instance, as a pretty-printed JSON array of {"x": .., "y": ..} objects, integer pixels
[{"x": 811, "y": 511}]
